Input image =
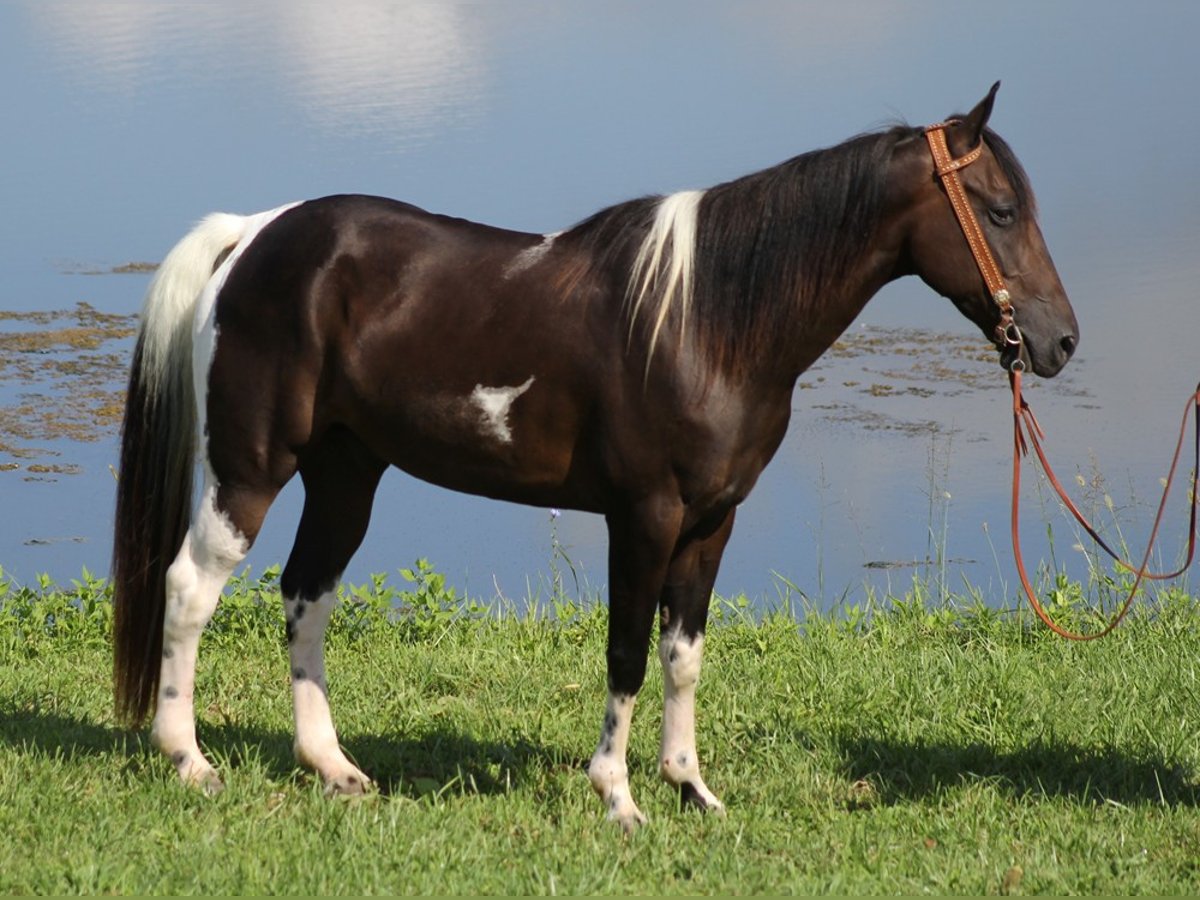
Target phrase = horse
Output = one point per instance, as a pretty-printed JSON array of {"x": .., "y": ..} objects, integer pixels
[{"x": 639, "y": 365}]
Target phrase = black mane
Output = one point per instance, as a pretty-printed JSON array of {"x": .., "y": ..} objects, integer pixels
[{"x": 772, "y": 244}]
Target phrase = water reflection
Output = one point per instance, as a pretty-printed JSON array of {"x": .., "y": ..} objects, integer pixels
[
  {"x": 357, "y": 66},
  {"x": 353, "y": 73}
]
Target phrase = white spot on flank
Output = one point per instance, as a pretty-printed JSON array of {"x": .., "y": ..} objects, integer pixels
[
  {"x": 494, "y": 405},
  {"x": 530, "y": 256}
]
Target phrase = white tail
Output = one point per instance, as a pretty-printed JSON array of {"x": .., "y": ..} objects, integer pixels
[
  {"x": 158, "y": 438},
  {"x": 158, "y": 447},
  {"x": 169, "y": 309}
]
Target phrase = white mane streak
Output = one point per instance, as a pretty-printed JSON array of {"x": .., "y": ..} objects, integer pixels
[{"x": 664, "y": 264}]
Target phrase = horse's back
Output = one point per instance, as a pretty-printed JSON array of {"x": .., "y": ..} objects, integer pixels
[
  {"x": 435, "y": 340},
  {"x": 332, "y": 279}
]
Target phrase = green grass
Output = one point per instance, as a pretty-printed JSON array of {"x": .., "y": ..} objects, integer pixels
[{"x": 901, "y": 749}]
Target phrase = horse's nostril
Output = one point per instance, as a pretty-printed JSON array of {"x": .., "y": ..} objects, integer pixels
[{"x": 1068, "y": 343}]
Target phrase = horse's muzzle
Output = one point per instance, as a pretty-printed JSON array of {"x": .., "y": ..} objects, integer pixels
[{"x": 1045, "y": 360}]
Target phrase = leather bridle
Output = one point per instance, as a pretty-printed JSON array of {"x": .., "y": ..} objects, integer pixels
[
  {"x": 1007, "y": 335},
  {"x": 1026, "y": 430}
]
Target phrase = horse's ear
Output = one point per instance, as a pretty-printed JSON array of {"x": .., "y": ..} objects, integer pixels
[{"x": 974, "y": 121}]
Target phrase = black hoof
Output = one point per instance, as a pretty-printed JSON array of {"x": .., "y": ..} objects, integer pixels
[{"x": 689, "y": 796}]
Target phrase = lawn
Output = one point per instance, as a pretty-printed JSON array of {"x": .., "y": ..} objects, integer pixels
[{"x": 907, "y": 748}]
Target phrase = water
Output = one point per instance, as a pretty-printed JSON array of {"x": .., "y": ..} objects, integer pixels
[{"x": 129, "y": 120}]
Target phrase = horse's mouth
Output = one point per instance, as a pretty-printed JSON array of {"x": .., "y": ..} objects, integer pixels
[
  {"x": 1043, "y": 365},
  {"x": 1010, "y": 354}
]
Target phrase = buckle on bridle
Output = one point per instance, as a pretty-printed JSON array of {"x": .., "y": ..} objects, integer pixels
[
  {"x": 1010, "y": 339},
  {"x": 1008, "y": 335}
]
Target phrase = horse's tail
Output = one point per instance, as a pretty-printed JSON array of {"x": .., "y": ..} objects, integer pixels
[{"x": 158, "y": 448}]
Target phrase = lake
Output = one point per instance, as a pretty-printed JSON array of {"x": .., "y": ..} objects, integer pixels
[{"x": 128, "y": 121}]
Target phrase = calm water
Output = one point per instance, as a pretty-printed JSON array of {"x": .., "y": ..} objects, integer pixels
[{"x": 127, "y": 121}]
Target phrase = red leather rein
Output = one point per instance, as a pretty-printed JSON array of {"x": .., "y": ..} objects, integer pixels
[{"x": 1026, "y": 430}]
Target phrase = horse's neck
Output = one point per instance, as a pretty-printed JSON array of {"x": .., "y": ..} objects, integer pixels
[{"x": 822, "y": 320}]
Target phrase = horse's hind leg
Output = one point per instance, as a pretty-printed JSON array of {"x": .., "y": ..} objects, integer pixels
[
  {"x": 683, "y": 613},
  {"x": 222, "y": 529},
  {"x": 340, "y": 477}
]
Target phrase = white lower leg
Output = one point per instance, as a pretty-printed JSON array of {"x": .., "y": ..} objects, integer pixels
[
  {"x": 678, "y": 762},
  {"x": 607, "y": 771},
  {"x": 316, "y": 744},
  {"x": 173, "y": 731},
  {"x": 211, "y": 549}
]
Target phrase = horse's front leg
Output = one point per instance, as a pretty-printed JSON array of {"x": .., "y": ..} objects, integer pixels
[
  {"x": 683, "y": 615},
  {"x": 640, "y": 545}
]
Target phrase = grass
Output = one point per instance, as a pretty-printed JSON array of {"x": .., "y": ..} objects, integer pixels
[{"x": 902, "y": 748}]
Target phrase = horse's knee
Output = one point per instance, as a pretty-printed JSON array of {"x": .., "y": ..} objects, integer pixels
[
  {"x": 681, "y": 656},
  {"x": 306, "y": 620},
  {"x": 626, "y": 670},
  {"x": 187, "y": 609}
]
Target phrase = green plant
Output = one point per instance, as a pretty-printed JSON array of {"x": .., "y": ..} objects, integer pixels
[{"x": 430, "y": 607}]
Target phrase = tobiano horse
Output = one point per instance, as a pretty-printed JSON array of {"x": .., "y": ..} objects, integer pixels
[{"x": 639, "y": 365}]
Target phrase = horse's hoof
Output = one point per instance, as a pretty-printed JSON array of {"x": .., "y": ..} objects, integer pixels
[
  {"x": 701, "y": 799},
  {"x": 626, "y": 814},
  {"x": 210, "y": 783},
  {"x": 350, "y": 784},
  {"x": 197, "y": 774},
  {"x": 630, "y": 822},
  {"x": 207, "y": 781}
]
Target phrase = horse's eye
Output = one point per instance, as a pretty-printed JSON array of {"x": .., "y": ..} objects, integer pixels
[{"x": 1002, "y": 215}]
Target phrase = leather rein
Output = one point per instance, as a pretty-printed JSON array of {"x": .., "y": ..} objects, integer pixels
[{"x": 1026, "y": 430}]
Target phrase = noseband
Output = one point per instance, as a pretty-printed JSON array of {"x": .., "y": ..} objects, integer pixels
[{"x": 1007, "y": 335}]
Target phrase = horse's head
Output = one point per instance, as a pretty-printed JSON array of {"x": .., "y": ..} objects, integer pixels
[{"x": 996, "y": 190}]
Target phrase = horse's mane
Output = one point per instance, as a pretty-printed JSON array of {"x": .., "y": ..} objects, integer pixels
[{"x": 743, "y": 260}]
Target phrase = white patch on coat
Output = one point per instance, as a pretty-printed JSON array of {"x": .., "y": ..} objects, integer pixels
[
  {"x": 530, "y": 256},
  {"x": 213, "y": 531},
  {"x": 494, "y": 404}
]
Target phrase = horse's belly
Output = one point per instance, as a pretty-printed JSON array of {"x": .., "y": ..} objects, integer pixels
[{"x": 499, "y": 441}]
